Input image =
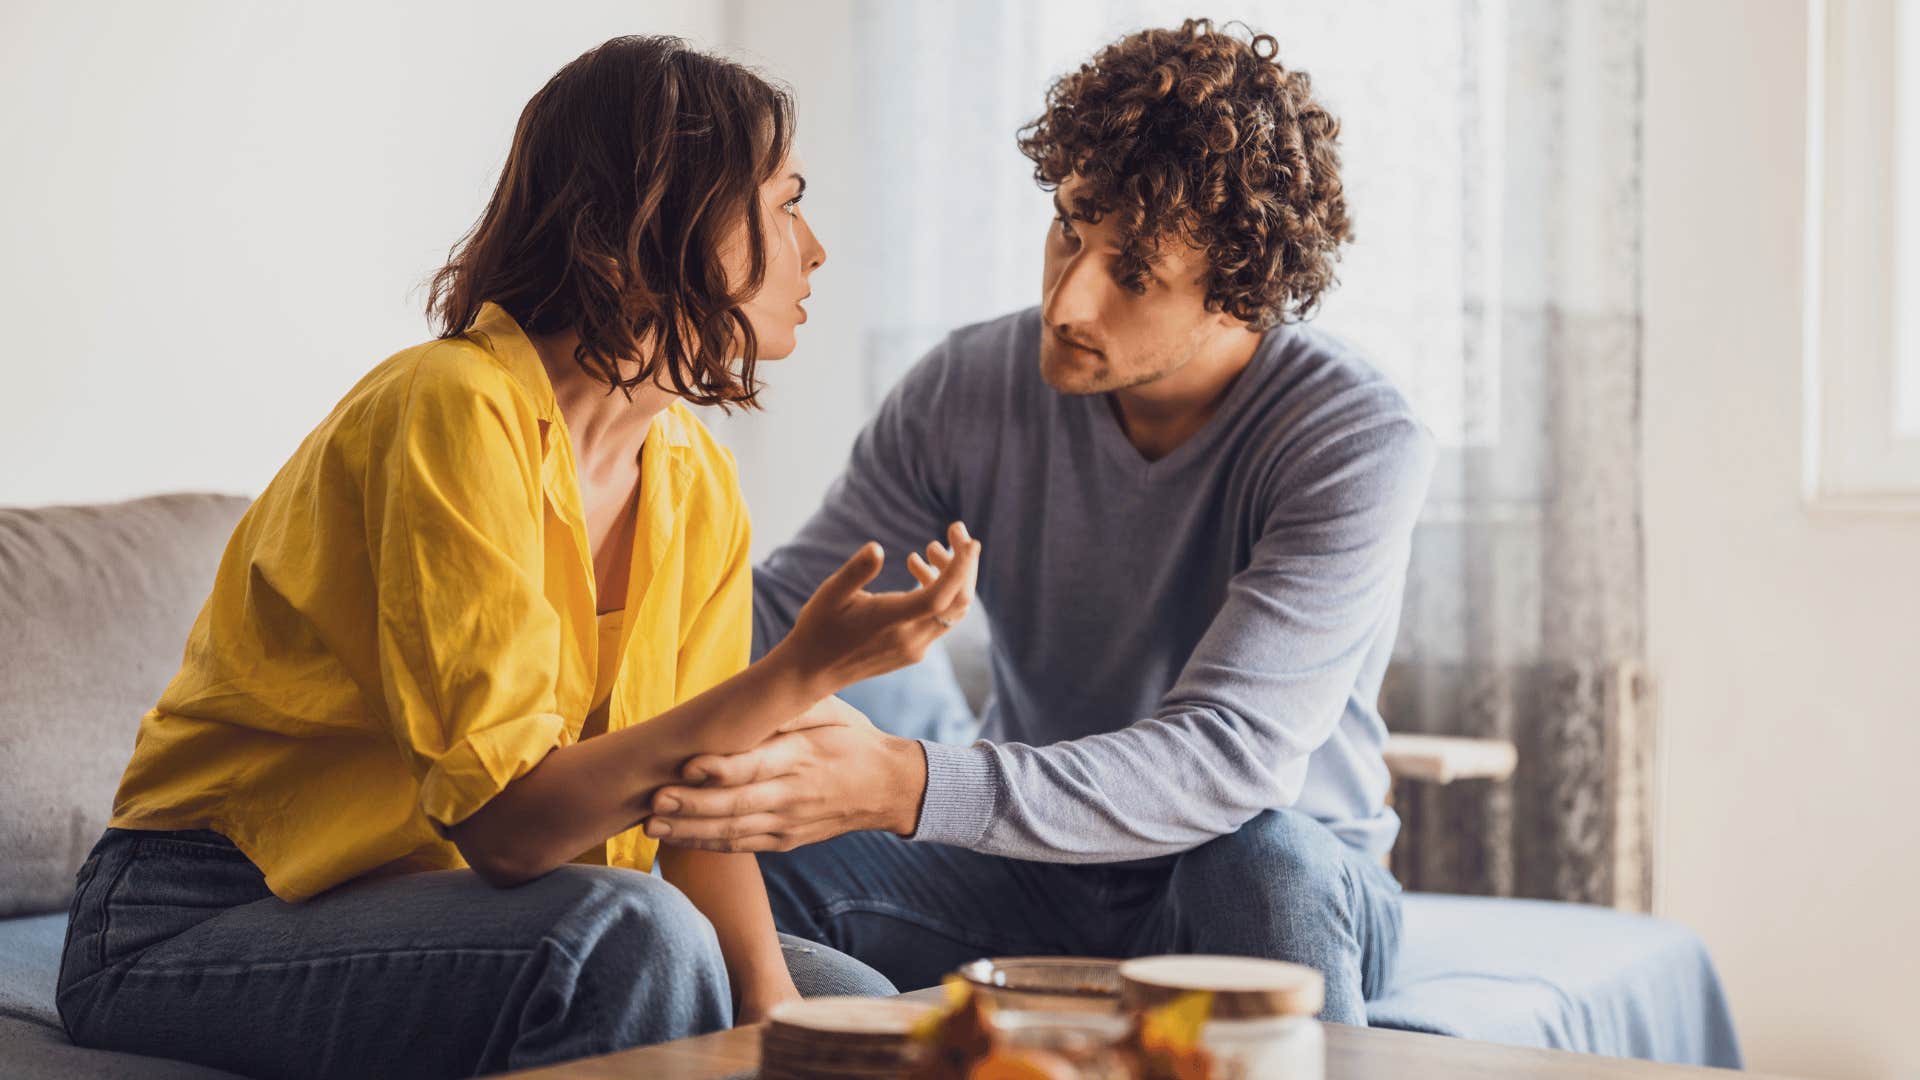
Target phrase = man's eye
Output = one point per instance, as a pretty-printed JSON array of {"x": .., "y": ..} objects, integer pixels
[{"x": 1066, "y": 226}]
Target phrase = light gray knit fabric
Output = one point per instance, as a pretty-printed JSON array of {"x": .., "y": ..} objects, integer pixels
[
  {"x": 1178, "y": 645},
  {"x": 95, "y": 604}
]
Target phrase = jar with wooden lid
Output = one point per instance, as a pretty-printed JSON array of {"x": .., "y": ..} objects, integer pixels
[{"x": 1260, "y": 1026}]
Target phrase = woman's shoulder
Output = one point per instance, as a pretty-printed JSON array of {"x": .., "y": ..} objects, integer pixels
[
  {"x": 444, "y": 382},
  {"x": 462, "y": 369}
]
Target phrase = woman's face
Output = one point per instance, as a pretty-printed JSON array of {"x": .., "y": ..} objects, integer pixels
[{"x": 793, "y": 253}]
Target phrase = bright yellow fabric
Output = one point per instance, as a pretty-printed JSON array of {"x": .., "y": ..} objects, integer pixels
[
  {"x": 403, "y": 622},
  {"x": 610, "y": 624}
]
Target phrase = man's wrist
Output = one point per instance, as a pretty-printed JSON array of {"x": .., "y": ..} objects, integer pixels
[
  {"x": 962, "y": 794},
  {"x": 906, "y": 789}
]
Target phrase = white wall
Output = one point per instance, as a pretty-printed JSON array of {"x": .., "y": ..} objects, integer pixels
[
  {"x": 1785, "y": 638},
  {"x": 815, "y": 400},
  {"x": 215, "y": 216}
]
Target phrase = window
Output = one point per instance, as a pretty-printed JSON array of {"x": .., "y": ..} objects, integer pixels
[
  {"x": 1863, "y": 298},
  {"x": 1906, "y": 172}
]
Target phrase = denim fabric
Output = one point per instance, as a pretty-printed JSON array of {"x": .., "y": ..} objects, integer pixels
[
  {"x": 175, "y": 948},
  {"x": 1283, "y": 886}
]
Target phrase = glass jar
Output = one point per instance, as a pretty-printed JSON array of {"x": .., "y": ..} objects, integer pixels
[
  {"x": 1085, "y": 1045},
  {"x": 1267, "y": 1048},
  {"x": 1259, "y": 1020}
]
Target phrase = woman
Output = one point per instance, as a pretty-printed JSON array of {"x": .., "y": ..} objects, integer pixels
[{"x": 484, "y": 611}]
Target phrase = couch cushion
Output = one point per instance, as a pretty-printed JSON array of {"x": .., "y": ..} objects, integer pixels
[
  {"x": 95, "y": 605},
  {"x": 29, "y": 968},
  {"x": 1567, "y": 976}
]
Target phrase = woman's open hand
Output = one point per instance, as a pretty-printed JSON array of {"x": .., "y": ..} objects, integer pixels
[{"x": 845, "y": 634}]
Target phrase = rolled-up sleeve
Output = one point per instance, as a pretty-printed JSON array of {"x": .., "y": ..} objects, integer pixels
[{"x": 468, "y": 640}]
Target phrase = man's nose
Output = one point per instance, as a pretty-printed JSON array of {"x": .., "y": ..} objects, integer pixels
[{"x": 1074, "y": 298}]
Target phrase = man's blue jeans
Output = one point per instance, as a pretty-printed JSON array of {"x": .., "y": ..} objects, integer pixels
[
  {"x": 1282, "y": 887},
  {"x": 175, "y": 948}
]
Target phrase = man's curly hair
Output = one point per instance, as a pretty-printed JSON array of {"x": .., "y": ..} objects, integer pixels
[{"x": 1198, "y": 134}]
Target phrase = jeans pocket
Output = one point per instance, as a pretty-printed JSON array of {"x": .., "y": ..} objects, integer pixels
[
  {"x": 83, "y": 953},
  {"x": 153, "y": 886}
]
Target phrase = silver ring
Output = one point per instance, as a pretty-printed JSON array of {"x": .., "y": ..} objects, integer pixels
[{"x": 946, "y": 622}]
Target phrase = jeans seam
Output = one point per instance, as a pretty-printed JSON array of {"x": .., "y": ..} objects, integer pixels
[
  {"x": 129, "y": 971},
  {"x": 106, "y": 911},
  {"x": 314, "y": 961}
]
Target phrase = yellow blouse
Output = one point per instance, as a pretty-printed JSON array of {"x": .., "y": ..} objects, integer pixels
[
  {"x": 403, "y": 622},
  {"x": 610, "y": 622}
]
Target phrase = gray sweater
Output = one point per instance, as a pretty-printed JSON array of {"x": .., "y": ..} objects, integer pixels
[{"x": 1178, "y": 645}]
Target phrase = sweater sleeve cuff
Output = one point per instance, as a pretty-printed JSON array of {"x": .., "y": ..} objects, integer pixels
[{"x": 962, "y": 790}]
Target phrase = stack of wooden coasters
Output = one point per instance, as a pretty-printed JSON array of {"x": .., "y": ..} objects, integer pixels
[{"x": 851, "y": 1037}]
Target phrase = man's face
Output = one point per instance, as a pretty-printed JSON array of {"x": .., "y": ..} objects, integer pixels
[{"x": 1098, "y": 335}]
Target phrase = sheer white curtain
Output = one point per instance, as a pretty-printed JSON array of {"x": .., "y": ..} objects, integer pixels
[{"x": 1491, "y": 155}]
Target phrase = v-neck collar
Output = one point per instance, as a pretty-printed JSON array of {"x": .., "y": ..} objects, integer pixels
[{"x": 1120, "y": 450}]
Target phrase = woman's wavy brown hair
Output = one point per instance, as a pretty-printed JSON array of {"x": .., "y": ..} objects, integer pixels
[
  {"x": 630, "y": 170},
  {"x": 1200, "y": 134}
]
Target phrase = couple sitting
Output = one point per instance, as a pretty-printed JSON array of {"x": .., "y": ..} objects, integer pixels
[{"x": 481, "y": 648}]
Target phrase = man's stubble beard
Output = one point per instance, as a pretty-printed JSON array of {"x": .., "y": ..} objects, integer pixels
[{"x": 1101, "y": 380}]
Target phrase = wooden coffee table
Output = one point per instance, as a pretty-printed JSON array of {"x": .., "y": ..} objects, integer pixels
[{"x": 1352, "y": 1054}]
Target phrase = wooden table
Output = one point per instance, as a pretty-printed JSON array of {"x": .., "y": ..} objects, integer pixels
[{"x": 1352, "y": 1054}]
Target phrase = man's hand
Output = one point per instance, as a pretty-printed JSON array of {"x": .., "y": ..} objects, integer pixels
[{"x": 829, "y": 772}]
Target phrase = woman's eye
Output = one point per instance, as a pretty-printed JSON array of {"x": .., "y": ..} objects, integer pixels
[{"x": 791, "y": 206}]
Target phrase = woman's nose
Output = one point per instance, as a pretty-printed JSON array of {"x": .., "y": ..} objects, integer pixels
[{"x": 813, "y": 253}]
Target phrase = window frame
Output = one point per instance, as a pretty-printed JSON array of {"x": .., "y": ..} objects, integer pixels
[{"x": 1855, "y": 335}]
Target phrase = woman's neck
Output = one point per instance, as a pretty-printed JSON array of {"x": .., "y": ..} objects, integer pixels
[{"x": 607, "y": 428}]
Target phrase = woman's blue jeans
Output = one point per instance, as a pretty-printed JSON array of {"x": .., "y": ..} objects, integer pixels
[{"x": 176, "y": 948}]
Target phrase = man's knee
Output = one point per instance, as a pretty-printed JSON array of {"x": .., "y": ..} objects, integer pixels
[
  {"x": 821, "y": 971},
  {"x": 1280, "y": 858}
]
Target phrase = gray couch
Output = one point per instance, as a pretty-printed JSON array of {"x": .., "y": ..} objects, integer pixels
[{"x": 95, "y": 604}]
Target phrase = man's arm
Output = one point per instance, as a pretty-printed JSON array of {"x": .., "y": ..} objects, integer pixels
[{"x": 1265, "y": 687}]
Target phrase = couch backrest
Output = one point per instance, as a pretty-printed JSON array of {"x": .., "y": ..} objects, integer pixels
[{"x": 95, "y": 605}]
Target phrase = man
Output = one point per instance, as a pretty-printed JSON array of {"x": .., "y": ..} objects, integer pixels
[{"x": 1196, "y": 515}]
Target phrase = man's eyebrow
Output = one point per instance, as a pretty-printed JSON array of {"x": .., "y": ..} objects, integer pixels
[{"x": 1150, "y": 268}]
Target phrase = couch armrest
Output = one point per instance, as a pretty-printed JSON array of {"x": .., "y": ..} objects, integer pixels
[{"x": 1442, "y": 759}]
